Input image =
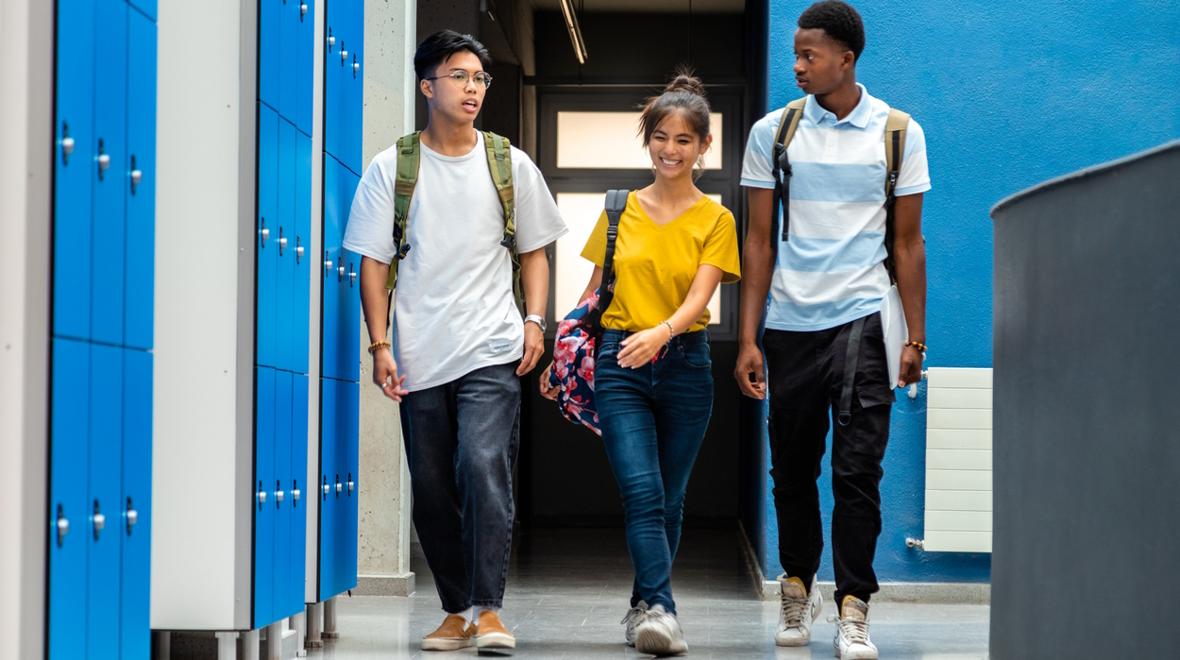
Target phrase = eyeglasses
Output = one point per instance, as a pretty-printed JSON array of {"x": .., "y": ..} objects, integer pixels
[{"x": 460, "y": 77}]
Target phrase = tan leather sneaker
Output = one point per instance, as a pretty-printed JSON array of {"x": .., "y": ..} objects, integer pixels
[
  {"x": 491, "y": 633},
  {"x": 452, "y": 635}
]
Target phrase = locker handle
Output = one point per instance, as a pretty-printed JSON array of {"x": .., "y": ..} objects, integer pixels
[
  {"x": 136, "y": 175},
  {"x": 264, "y": 232},
  {"x": 340, "y": 273},
  {"x": 279, "y": 494},
  {"x": 343, "y": 55},
  {"x": 295, "y": 492},
  {"x": 104, "y": 159},
  {"x": 282, "y": 241},
  {"x": 302, "y": 11},
  {"x": 131, "y": 515},
  {"x": 356, "y": 66},
  {"x": 99, "y": 520},
  {"x": 351, "y": 484},
  {"x": 339, "y": 486},
  {"x": 298, "y": 249},
  {"x": 67, "y": 143},
  {"x": 63, "y": 525},
  {"x": 327, "y": 263},
  {"x": 351, "y": 275},
  {"x": 327, "y": 489},
  {"x": 261, "y": 495},
  {"x": 331, "y": 39}
]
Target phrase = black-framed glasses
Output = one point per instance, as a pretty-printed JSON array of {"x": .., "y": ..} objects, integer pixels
[{"x": 460, "y": 77}]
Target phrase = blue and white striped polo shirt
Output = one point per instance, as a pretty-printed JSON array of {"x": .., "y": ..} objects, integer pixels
[{"x": 832, "y": 270}]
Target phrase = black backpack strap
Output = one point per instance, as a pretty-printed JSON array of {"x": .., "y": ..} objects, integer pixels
[
  {"x": 616, "y": 203},
  {"x": 781, "y": 164}
]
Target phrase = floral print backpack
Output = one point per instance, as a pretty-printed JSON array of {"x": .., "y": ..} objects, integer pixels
[{"x": 579, "y": 332}]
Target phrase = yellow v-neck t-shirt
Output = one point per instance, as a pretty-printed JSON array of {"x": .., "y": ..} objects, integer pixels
[{"x": 655, "y": 263}]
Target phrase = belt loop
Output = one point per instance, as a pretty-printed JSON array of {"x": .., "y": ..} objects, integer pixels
[{"x": 852, "y": 356}]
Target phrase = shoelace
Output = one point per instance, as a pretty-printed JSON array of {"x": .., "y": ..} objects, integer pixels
[
  {"x": 633, "y": 615},
  {"x": 794, "y": 609},
  {"x": 856, "y": 632}
]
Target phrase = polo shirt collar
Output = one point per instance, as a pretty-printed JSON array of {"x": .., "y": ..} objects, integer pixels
[{"x": 859, "y": 117}]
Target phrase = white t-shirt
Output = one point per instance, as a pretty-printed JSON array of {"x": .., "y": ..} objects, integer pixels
[{"x": 454, "y": 307}]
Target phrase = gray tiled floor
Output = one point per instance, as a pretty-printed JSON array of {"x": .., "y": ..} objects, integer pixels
[{"x": 568, "y": 589}]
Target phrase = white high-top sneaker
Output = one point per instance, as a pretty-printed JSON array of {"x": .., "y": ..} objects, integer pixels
[
  {"x": 797, "y": 612},
  {"x": 631, "y": 620},
  {"x": 852, "y": 631},
  {"x": 659, "y": 633}
]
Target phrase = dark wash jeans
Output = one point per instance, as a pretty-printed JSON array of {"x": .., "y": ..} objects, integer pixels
[
  {"x": 806, "y": 372},
  {"x": 653, "y": 422},
  {"x": 461, "y": 442}
]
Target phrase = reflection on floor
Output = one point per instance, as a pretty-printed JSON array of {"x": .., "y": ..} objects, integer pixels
[{"x": 567, "y": 590}]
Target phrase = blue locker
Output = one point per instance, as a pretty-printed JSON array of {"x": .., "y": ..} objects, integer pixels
[
  {"x": 268, "y": 235},
  {"x": 299, "y": 489},
  {"x": 304, "y": 65},
  {"x": 269, "y": 60},
  {"x": 105, "y": 501},
  {"x": 111, "y": 172},
  {"x": 263, "y": 496},
  {"x": 335, "y": 104},
  {"x": 334, "y": 173},
  {"x": 350, "y": 294},
  {"x": 282, "y": 506},
  {"x": 136, "y": 520},
  {"x": 141, "y": 183},
  {"x": 73, "y": 166},
  {"x": 327, "y": 493},
  {"x": 68, "y": 507},
  {"x": 348, "y": 418},
  {"x": 285, "y": 281},
  {"x": 288, "y": 57},
  {"x": 354, "y": 84},
  {"x": 302, "y": 256},
  {"x": 148, "y": 7}
]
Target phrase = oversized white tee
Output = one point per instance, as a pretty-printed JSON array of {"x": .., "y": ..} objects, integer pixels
[{"x": 454, "y": 307}]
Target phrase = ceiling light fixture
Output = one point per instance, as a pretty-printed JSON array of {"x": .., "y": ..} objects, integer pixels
[{"x": 571, "y": 24}]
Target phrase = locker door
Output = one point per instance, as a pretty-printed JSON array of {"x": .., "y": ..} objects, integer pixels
[
  {"x": 305, "y": 64},
  {"x": 141, "y": 181},
  {"x": 269, "y": 29},
  {"x": 268, "y": 234},
  {"x": 282, "y": 502},
  {"x": 137, "y": 505},
  {"x": 327, "y": 493},
  {"x": 334, "y": 107},
  {"x": 348, "y": 417},
  {"x": 68, "y": 512},
  {"x": 110, "y": 171},
  {"x": 263, "y": 498},
  {"x": 301, "y": 278},
  {"x": 288, "y": 56},
  {"x": 298, "y": 486},
  {"x": 72, "y": 171},
  {"x": 333, "y": 225},
  {"x": 354, "y": 66},
  {"x": 347, "y": 350},
  {"x": 285, "y": 280},
  {"x": 343, "y": 516},
  {"x": 105, "y": 503},
  {"x": 148, "y": 7}
]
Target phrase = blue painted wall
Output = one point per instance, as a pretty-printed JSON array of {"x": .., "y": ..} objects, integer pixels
[{"x": 1009, "y": 94}]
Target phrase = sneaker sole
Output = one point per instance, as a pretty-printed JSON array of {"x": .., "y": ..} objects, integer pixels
[
  {"x": 445, "y": 644},
  {"x": 656, "y": 643},
  {"x": 836, "y": 650},
  {"x": 494, "y": 641}
]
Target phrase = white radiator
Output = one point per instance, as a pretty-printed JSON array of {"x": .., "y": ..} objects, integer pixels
[{"x": 958, "y": 460}]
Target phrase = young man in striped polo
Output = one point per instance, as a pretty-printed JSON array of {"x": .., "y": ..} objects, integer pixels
[{"x": 820, "y": 280}]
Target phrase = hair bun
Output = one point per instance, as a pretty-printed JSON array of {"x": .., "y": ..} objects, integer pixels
[{"x": 685, "y": 81}]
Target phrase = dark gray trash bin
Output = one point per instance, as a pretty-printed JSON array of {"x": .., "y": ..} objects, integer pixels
[{"x": 1086, "y": 558}]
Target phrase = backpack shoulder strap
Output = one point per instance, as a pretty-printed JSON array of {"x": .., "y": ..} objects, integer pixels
[
  {"x": 409, "y": 154},
  {"x": 499, "y": 155},
  {"x": 895, "y": 128},
  {"x": 616, "y": 203},
  {"x": 789, "y": 122},
  {"x": 781, "y": 163}
]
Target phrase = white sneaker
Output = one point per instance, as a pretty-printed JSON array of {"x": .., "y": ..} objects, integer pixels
[
  {"x": 852, "y": 631},
  {"x": 797, "y": 612},
  {"x": 631, "y": 620},
  {"x": 659, "y": 633}
]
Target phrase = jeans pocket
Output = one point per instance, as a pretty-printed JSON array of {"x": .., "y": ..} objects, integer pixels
[{"x": 697, "y": 356}]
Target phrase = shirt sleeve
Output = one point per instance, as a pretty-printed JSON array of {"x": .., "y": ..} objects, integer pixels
[
  {"x": 721, "y": 248},
  {"x": 538, "y": 222},
  {"x": 595, "y": 250},
  {"x": 370, "y": 220},
  {"x": 756, "y": 165},
  {"x": 914, "y": 176}
]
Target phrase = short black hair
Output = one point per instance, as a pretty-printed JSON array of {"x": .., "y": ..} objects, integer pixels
[
  {"x": 438, "y": 47},
  {"x": 839, "y": 21}
]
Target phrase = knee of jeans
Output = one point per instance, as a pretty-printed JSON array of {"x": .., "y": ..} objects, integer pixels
[{"x": 642, "y": 498}]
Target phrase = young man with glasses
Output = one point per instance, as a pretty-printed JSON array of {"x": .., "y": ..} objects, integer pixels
[{"x": 459, "y": 337}]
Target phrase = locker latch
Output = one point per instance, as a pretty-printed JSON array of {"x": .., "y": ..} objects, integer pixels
[
  {"x": 279, "y": 494},
  {"x": 351, "y": 484},
  {"x": 136, "y": 175},
  {"x": 356, "y": 66},
  {"x": 99, "y": 520},
  {"x": 63, "y": 525},
  {"x": 298, "y": 249},
  {"x": 261, "y": 495},
  {"x": 264, "y": 232},
  {"x": 331, "y": 40},
  {"x": 104, "y": 159},
  {"x": 67, "y": 143},
  {"x": 131, "y": 515},
  {"x": 282, "y": 241},
  {"x": 326, "y": 488},
  {"x": 295, "y": 493}
]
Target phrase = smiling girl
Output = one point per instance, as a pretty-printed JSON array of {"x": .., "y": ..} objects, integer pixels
[{"x": 653, "y": 378}]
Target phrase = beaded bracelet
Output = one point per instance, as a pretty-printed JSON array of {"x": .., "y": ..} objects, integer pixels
[
  {"x": 918, "y": 345},
  {"x": 377, "y": 345}
]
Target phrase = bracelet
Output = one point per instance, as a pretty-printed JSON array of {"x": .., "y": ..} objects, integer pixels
[
  {"x": 377, "y": 345},
  {"x": 671, "y": 332},
  {"x": 918, "y": 345}
]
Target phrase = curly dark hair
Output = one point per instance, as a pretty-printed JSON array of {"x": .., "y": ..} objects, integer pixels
[
  {"x": 839, "y": 21},
  {"x": 685, "y": 93}
]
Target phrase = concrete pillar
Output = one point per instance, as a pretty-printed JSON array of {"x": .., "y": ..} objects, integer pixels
[{"x": 383, "y": 561}]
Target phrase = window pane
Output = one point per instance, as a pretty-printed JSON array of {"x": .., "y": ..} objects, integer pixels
[
  {"x": 580, "y": 211},
  {"x": 610, "y": 140}
]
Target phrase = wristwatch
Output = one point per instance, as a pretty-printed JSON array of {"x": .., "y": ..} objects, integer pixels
[{"x": 536, "y": 318}]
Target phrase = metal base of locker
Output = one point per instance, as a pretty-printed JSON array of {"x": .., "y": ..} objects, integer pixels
[
  {"x": 274, "y": 641},
  {"x": 315, "y": 621},
  {"x": 299, "y": 624},
  {"x": 330, "y": 619},
  {"x": 161, "y": 644}
]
